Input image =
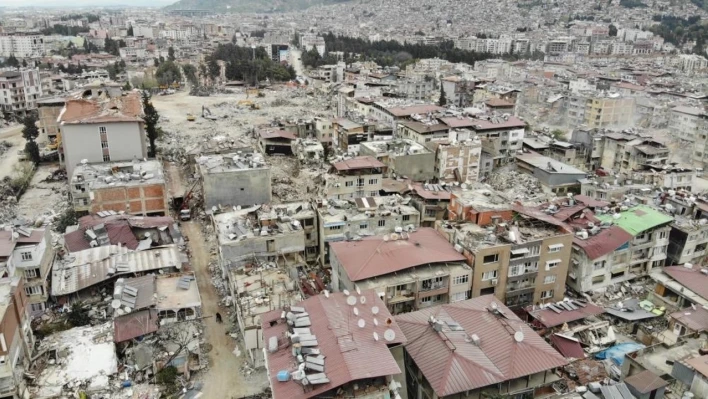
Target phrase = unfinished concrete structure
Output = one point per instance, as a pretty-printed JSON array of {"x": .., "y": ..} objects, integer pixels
[
  {"x": 478, "y": 203},
  {"x": 403, "y": 158},
  {"x": 136, "y": 188},
  {"x": 236, "y": 179},
  {"x": 457, "y": 159}
]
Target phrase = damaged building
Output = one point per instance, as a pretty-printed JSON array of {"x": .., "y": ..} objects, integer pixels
[
  {"x": 240, "y": 179},
  {"x": 355, "y": 178},
  {"x": 404, "y": 159}
]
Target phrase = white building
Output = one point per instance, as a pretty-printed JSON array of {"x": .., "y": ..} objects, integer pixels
[
  {"x": 690, "y": 63},
  {"x": 19, "y": 91},
  {"x": 22, "y": 46}
]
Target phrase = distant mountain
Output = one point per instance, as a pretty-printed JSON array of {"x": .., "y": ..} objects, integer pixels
[{"x": 260, "y": 6}]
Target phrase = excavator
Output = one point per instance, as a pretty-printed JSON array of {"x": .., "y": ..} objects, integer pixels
[
  {"x": 249, "y": 103},
  {"x": 181, "y": 204},
  {"x": 206, "y": 113},
  {"x": 55, "y": 145}
]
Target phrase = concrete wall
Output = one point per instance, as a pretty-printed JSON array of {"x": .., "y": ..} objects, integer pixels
[
  {"x": 417, "y": 167},
  {"x": 126, "y": 140},
  {"x": 281, "y": 244},
  {"x": 245, "y": 187}
]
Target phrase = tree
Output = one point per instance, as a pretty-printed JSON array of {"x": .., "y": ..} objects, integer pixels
[
  {"x": 130, "y": 30},
  {"x": 12, "y": 61},
  {"x": 30, "y": 132},
  {"x": 214, "y": 69},
  {"x": 558, "y": 134},
  {"x": 168, "y": 73},
  {"x": 151, "y": 118},
  {"x": 78, "y": 316},
  {"x": 190, "y": 73},
  {"x": 24, "y": 63},
  {"x": 127, "y": 86},
  {"x": 613, "y": 30},
  {"x": 442, "y": 101},
  {"x": 171, "y": 53}
]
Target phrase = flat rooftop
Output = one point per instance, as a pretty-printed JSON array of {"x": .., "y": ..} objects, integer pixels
[
  {"x": 241, "y": 224},
  {"x": 364, "y": 208},
  {"x": 177, "y": 291},
  {"x": 260, "y": 291},
  {"x": 293, "y": 210},
  {"x": 118, "y": 174},
  {"x": 395, "y": 148},
  {"x": 232, "y": 162},
  {"x": 481, "y": 196},
  {"x": 549, "y": 165}
]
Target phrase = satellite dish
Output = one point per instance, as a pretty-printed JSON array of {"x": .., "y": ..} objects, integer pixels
[
  {"x": 115, "y": 304},
  {"x": 385, "y": 238},
  {"x": 358, "y": 290},
  {"x": 519, "y": 336},
  {"x": 375, "y": 310},
  {"x": 389, "y": 335},
  {"x": 376, "y": 322},
  {"x": 345, "y": 292},
  {"x": 127, "y": 309},
  {"x": 351, "y": 300},
  {"x": 120, "y": 312},
  {"x": 376, "y": 336},
  {"x": 362, "y": 300},
  {"x": 326, "y": 293},
  {"x": 356, "y": 311},
  {"x": 394, "y": 237},
  {"x": 361, "y": 323}
]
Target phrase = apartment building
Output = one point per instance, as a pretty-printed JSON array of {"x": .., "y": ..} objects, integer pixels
[
  {"x": 102, "y": 131},
  {"x": 637, "y": 182},
  {"x": 355, "y": 178},
  {"x": 689, "y": 231},
  {"x": 19, "y": 91},
  {"x": 361, "y": 217},
  {"x": 600, "y": 110},
  {"x": 136, "y": 188},
  {"x": 403, "y": 158},
  {"x": 409, "y": 270},
  {"x": 431, "y": 201},
  {"x": 22, "y": 46},
  {"x": 480, "y": 204},
  {"x": 458, "y": 159},
  {"x": 49, "y": 110},
  {"x": 234, "y": 179},
  {"x": 524, "y": 263},
  {"x": 16, "y": 338},
  {"x": 555, "y": 176},
  {"x": 422, "y": 132}
]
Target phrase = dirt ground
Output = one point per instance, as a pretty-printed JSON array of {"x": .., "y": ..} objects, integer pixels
[
  {"x": 12, "y": 135},
  {"x": 223, "y": 379},
  {"x": 43, "y": 197}
]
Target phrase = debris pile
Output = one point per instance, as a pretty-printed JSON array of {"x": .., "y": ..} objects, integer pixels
[
  {"x": 4, "y": 146},
  {"x": 515, "y": 185}
]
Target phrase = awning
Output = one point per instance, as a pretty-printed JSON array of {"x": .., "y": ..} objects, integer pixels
[
  {"x": 555, "y": 246},
  {"x": 519, "y": 251}
]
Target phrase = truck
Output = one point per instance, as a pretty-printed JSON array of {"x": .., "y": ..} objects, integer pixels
[{"x": 185, "y": 214}]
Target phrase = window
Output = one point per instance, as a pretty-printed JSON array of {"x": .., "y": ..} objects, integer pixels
[
  {"x": 598, "y": 279},
  {"x": 382, "y": 222},
  {"x": 550, "y": 279},
  {"x": 335, "y": 227},
  {"x": 37, "y": 307},
  {"x": 457, "y": 280},
  {"x": 364, "y": 225},
  {"x": 554, "y": 248},
  {"x": 516, "y": 270},
  {"x": 348, "y": 184},
  {"x": 489, "y": 275},
  {"x": 36, "y": 290},
  {"x": 106, "y": 158},
  {"x": 26, "y": 255},
  {"x": 430, "y": 213},
  {"x": 552, "y": 263},
  {"x": 104, "y": 144},
  {"x": 373, "y": 181},
  {"x": 491, "y": 258},
  {"x": 534, "y": 251},
  {"x": 360, "y": 182},
  {"x": 460, "y": 296},
  {"x": 426, "y": 299},
  {"x": 406, "y": 218},
  {"x": 373, "y": 193},
  {"x": 546, "y": 294},
  {"x": 599, "y": 265},
  {"x": 31, "y": 273}
]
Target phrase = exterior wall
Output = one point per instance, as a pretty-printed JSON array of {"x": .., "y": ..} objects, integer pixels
[
  {"x": 430, "y": 210},
  {"x": 463, "y": 158},
  {"x": 687, "y": 246},
  {"x": 126, "y": 141},
  {"x": 372, "y": 185},
  {"x": 22, "y": 46},
  {"x": 35, "y": 271},
  {"x": 48, "y": 115},
  {"x": 275, "y": 245},
  {"x": 135, "y": 200},
  {"x": 238, "y": 187},
  {"x": 17, "y": 339},
  {"x": 417, "y": 167}
]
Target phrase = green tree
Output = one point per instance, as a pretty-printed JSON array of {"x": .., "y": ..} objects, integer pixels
[
  {"x": 12, "y": 61},
  {"x": 558, "y": 134},
  {"x": 127, "y": 86},
  {"x": 214, "y": 69},
  {"x": 24, "y": 63},
  {"x": 167, "y": 73},
  {"x": 151, "y": 118},
  {"x": 171, "y": 53},
  {"x": 30, "y": 132},
  {"x": 130, "y": 30},
  {"x": 613, "y": 30},
  {"x": 442, "y": 101},
  {"x": 190, "y": 73},
  {"x": 78, "y": 316}
]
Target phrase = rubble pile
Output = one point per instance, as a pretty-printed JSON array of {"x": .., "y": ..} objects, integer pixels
[
  {"x": 4, "y": 146},
  {"x": 515, "y": 185}
]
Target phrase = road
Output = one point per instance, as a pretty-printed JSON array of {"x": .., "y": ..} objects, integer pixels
[
  {"x": 223, "y": 378},
  {"x": 8, "y": 160}
]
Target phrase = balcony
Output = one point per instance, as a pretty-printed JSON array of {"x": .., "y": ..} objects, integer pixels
[
  {"x": 514, "y": 291},
  {"x": 401, "y": 297},
  {"x": 433, "y": 289}
]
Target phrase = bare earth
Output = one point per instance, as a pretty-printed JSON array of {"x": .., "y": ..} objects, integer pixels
[{"x": 13, "y": 135}]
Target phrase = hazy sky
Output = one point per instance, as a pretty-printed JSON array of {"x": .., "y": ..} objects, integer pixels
[{"x": 83, "y": 3}]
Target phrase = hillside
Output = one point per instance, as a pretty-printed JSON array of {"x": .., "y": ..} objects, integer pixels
[{"x": 250, "y": 5}]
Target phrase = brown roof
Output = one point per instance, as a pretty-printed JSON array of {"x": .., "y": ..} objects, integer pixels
[
  {"x": 374, "y": 256},
  {"x": 591, "y": 202},
  {"x": 135, "y": 325},
  {"x": 604, "y": 242},
  {"x": 351, "y": 353},
  {"x": 457, "y": 122},
  {"x": 549, "y": 318},
  {"x": 118, "y": 232},
  {"x": 453, "y": 363},
  {"x": 695, "y": 319},
  {"x": 35, "y": 237},
  {"x": 272, "y": 134},
  {"x": 645, "y": 381},
  {"x": 700, "y": 364},
  {"x": 414, "y": 109},
  {"x": 498, "y": 102},
  {"x": 511, "y": 122},
  {"x": 425, "y": 128},
  {"x": 7, "y": 244},
  {"x": 691, "y": 278},
  {"x": 430, "y": 194},
  {"x": 127, "y": 108},
  {"x": 364, "y": 162},
  {"x": 568, "y": 346}
]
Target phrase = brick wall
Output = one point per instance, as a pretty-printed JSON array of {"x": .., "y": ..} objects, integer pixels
[{"x": 136, "y": 200}]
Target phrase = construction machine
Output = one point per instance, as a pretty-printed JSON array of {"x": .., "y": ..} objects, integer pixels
[
  {"x": 181, "y": 204},
  {"x": 191, "y": 118},
  {"x": 55, "y": 145},
  {"x": 249, "y": 103}
]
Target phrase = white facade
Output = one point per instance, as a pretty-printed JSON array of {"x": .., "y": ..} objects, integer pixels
[
  {"x": 19, "y": 90},
  {"x": 22, "y": 46},
  {"x": 144, "y": 31}
]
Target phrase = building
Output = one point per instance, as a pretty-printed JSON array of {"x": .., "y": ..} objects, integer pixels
[
  {"x": 355, "y": 178},
  {"x": 367, "y": 216},
  {"x": 646, "y": 385},
  {"x": 431, "y": 201},
  {"x": 276, "y": 142},
  {"x": 403, "y": 158},
  {"x": 640, "y": 182},
  {"x": 409, "y": 270},
  {"x": 240, "y": 179},
  {"x": 136, "y": 188},
  {"x": 22, "y": 45},
  {"x": 392, "y": 112},
  {"x": 524, "y": 263},
  {"x": 480, "y": 204},
  {"x": 359, "y": 356},
  {"x": 49, "y": 110},
  {"x": 692, "y": 63},
  {"x": 16, "y": 337},
  {"x": 457, "y": 159},
  {"x": 679, "y": 287},
  {"x": 449, "y": 345},
  {"x": 19, "y": 91},
  {"x": 106, "y": 131},
  {"x": 422, "y": 131},
  {"x": 28, "y": 253},
  {"x": 556, "y": 176},
  {"x": 245, "y": 238}
]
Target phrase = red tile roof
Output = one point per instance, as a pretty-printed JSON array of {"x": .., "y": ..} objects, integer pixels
[
  {"x": 645, "y": 381},
  {"x": 414, "y": 109},
  {"x": 591, "y": 202},
  {"x": 549, "y": 318},
  {"x": 373, "y": 256},
  {"x": 134, "y": 325},
  {"x": 118, "y": 232},
  {"x": 691, "y": 278},
  {"x": 351, "y": 353},
  {"x": 280, "y": 134},
  {"x": 363, "y": 162},
  {"x": 567, "y": 346},
  {"x": 694, "y": 319},
  {"x": 604, "y": 242},
  {"x": 35, "y": 237},
  {"x": 452, "y": 363}
]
